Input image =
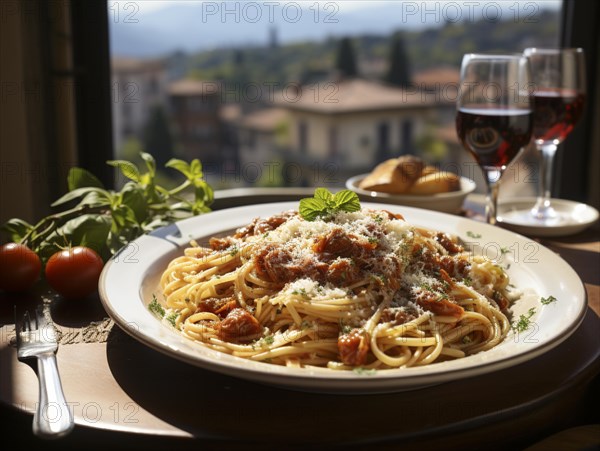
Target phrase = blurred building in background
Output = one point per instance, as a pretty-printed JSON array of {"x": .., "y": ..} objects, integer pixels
[
  {"x": 354, "y": 124},
  {"x": 195, "y": 109},
  {"x": 309, "y": 113},
  {"x": 138, "y": 85}
]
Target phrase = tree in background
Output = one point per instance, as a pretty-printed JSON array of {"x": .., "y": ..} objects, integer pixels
[
  {"x": 346, "y": 61},
  {"x": 156, "y": 138},
  {"x": 399, "y": 64}
]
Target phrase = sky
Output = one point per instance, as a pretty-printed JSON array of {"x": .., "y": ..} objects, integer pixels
[
  {"x": 151, "y": 27},
  {"x": 155, "y": 5},
  {"x": 343, "y": 5}
]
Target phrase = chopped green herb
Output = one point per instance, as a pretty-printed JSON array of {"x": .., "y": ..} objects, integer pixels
[
  {"x": 467, "y": 281},
  {"x": 373, "y": 240},
  {"x": 345, "y": 328},
  {"x": 364, "y": 371},
  {"x": 269, "y": 339},
  {"x": 524, "y": 321},
  {"x": 172, "y": 318},
  {"x": 381, "y": 279},
  {"x": 442, "y": 295},
  {"x": 156, "y": 308},
  {"x": 305, "y": 325},
  {"x": 426, "y": 286},
  {"x": 504, "y": 250},
  {"x": 233, "y": 250},
  {"x": 301, "y": 292},
  {"x": 473, "y": 234},
  {"x": 549, "y": 300}
]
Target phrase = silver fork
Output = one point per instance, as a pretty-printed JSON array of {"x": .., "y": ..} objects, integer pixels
[{"x": 36, "y": 338}]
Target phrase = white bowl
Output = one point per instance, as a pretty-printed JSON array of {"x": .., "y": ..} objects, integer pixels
[{"x": 450, "y": 202}]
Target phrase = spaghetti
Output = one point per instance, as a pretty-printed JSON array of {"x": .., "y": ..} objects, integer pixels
[{"x": 363, "y": 289}]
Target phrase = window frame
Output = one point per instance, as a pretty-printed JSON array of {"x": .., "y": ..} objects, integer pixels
[
  {"x": 580, "y": 153},
  {"x": 91, "y": 51}
]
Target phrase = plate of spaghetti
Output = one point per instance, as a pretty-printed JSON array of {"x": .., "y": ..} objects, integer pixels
[{"x": 362, "y": 300}]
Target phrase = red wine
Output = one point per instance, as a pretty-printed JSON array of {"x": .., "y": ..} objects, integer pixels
[
  {"x": 555, "y": 113},
  {"x": 494, "y": 136}
]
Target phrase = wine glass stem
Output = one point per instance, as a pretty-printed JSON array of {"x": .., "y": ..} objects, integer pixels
[
  {"x": 491, "y": 199},
  {"x": 546, "y": 170}
]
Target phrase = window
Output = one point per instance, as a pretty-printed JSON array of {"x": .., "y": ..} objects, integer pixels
[
  {"x": 406, "y": 137},
  {"x": 383, "y": 141},
  {"x": 303, "y": 137},
  {"x": 251, "y": 139},
  {"x": 262, "y": 57},
  {"x": 333, "y": 142},
  {"x": 268, "y": 64}
]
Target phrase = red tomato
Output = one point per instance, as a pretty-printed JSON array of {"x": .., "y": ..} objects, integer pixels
[
  {"x": 74, "y": 272},
  {"x": 19, "y": 267}
]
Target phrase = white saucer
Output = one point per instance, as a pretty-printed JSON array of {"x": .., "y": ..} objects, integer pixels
[{"x": 573, "y": 217}]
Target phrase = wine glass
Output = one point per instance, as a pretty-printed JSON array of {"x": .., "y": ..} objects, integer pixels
[
  {"x": 494, "y": 118},
  {"x": 558, "y": 77}
]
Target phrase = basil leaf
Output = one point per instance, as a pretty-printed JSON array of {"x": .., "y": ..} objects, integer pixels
[
  {"x": 324, "y": 195},
  {"x": 150, "y": 163},
  {"x": 180, "y": 166},
  {"x": 311, "y": 208},
  {"x": 128, "y": 169},
  {"x": 16, "y": 228},
  {"x": 133, "y": 197},
  {"x": 324, "y": 203},
  {"x": 123, "y": 216},
  {"x": 116, "y": 241},
  {"x": 347, "y": 200},
  {"x": 196, "y": 168},
  {"x": 79, "y": 192},
  {"x": 94, "y": 199},
  {"x": 95, "y": 233},
  {"x": 200, "y": 207},
  {"x": 89, "y": 230},
  {"x": 81, "y": 178}
]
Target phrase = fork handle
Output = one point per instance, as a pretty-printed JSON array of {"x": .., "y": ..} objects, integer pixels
[{"x": 52, "y": 418}]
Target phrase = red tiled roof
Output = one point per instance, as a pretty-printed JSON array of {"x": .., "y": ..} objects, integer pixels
[
  {"x": 188, "y": 86},
  {"x": 123, "y": 64},
  {"x": 265, "y": 120},
  {"x": 350, "y": 96}
]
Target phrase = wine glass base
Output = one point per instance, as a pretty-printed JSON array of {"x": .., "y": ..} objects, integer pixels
[
  {"x": 545, "y": 217},
  {"x": 571, "y": 217}
]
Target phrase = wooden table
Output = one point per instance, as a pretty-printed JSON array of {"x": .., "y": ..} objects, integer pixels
[{"x": 124, "y": 394}]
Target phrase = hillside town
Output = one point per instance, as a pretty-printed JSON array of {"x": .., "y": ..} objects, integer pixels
[{"x": 292, "y": 134}]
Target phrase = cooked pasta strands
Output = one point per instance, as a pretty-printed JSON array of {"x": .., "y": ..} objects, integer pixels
[
  {"x": 451, "y": 352},
  {"x": 356, "y": 290},
  {"x": 409, "y": 341},
  {"x": 392, "y": 362}
]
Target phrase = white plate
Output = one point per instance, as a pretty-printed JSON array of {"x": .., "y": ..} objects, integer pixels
[
  {"x": 450, "y": 202},
  {"x": 130, "y": 279},
  {"x": 573, "y": 217}
]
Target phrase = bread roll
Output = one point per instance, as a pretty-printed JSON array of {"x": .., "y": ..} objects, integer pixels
[
  {"x": 429, "y": 170},
  {"x": 435, "y": 183},
  {"x": 394, "y": 176}
]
